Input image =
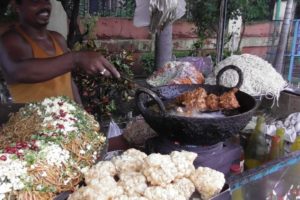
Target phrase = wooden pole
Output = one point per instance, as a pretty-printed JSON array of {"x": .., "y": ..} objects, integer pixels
[{"x": 221, "y": 31}]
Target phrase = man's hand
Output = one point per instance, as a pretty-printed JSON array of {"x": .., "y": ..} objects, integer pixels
[{"x": 95, "y": 63}]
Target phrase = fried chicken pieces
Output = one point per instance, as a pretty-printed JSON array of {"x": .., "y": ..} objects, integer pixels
[
  {"x": 136, "y": 176},
  {"x": 199, "y": 100}
]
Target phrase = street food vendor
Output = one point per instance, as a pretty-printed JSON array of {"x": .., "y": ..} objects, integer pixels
[{"x": 36, "y": 62}]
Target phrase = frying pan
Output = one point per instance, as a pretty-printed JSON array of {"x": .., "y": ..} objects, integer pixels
[{"x": 194, "y": 130}]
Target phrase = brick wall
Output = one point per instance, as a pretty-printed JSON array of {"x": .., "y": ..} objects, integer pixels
[{"x": 120, "y": 33}]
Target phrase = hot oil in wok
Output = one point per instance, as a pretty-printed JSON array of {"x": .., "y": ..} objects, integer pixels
[{"x": 172, "y": 109}]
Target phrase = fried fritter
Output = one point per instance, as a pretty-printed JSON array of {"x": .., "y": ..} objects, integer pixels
[
  {"x": 228, "y": 100},
  {"x": 194, "y": 100},
  {"x": 212, "y": 102}
]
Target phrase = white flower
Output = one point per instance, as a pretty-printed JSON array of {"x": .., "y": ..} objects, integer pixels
[
  {"x": 84, "y": 170},
  {"x": 44, "y": 174},
  {"x": 82, "y": 152},
  {"x": 11, "y": 174},
  {"x": 54, "y": 155},
  {"x": 39, "y": 187}
]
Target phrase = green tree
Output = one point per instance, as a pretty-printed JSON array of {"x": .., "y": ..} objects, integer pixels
[{"x": 205, "y": 14}]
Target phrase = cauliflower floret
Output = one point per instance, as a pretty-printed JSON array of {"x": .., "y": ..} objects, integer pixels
[
  {"x": 130, "y": 160},
  {"x": 185, "y": 186},
  {"x": 103, "y": 189},
  {"x": 87, "y": 193},
  {"x": 159, "y": 169},
  {"x": 134, "y": 183},
  {"x": 107, "y": 186},
  {"x": 208, "y": 182},
  {"x": 100, "y": 170},
  {"x": 163, "y": 193},
  {"x": 135, "y": 153},
  {"x": 125, "y": 197},
  {"x": 184, "y": 162}
]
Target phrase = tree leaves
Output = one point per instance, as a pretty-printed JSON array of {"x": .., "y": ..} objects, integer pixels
[{"x": 205, "y": 14}]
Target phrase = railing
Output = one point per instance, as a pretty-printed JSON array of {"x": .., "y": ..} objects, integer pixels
[
  {"x": 295, "y": 49},
  {"x": 108, "y": 8},
  {"x": 113, "y": 8},
  {"x": 291, "y": 70}
]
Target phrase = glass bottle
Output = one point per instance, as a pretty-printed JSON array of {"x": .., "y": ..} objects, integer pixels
[
  {"x": 281, "y": 132},
  {"x": 276, "y": 148},
  {"x": 257, "y": 148},
  {"x": 296, "y": 145}
]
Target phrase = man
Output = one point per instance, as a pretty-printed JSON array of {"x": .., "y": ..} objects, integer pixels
[{"x": 36, "y": 62}]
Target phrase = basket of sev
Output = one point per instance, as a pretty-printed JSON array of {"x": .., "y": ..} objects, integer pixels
[{"x": 45, "y": 148}]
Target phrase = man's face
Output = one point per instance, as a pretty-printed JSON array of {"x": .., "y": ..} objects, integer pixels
[{"x": 34, "y": 12}]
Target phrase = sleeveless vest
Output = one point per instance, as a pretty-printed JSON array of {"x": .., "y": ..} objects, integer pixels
[{"x": 32, "y": 92}]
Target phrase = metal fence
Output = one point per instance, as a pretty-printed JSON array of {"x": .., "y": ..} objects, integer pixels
[
  {"x": 291, "y": 68},
  {"x": 108, "y": 8},
  {"x": 113, "y": 8}
]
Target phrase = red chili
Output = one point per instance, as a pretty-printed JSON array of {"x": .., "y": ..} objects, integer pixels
[
  {"x": 60, "y": 126},
  {"x": 3, "y": 158},
  {"x": 62, "y": 113},
  {"x": 19, "y": 145}
]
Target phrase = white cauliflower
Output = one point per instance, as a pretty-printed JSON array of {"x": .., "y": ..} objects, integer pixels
[
  {"x": 102, "y": 189},
  {"x": 134, "y": 183},
  {"x": 135, "y": 153},
  {"x": 163, "y": 193},
  {"x": 100, "y": 170},
  {"x": 107, "y": 186},
  {"x": 125, "y": 197},
  {"x": 130, "y": 160},
  {"x": 208, "y": 182},
  {"x": 185, "y": 186},
  {"x": 184, "y": 162},
  {"x": 87, "y": 193},
  {"x": 159, "y": 169}
]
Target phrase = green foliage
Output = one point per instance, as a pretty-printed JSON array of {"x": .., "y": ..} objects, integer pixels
[
  {"x": 90, "y": 23},
  {"x": 125, "y": 9},
  {"x": 101, "y": 95},
  {"x": 148, "y": 63},
  {"x": 205, "y": 14},
  {"x": 6, "y": 12},
  {"x": 180, "y": 54}
]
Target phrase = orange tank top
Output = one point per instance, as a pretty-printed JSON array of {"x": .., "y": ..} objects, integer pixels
[{"x": 32, "y": 92}]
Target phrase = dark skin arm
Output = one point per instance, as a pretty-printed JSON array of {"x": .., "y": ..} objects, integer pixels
[{"x": 19, "y": 66}]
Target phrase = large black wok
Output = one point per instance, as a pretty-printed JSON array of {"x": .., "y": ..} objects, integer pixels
[{"x": 193, "y": 130}]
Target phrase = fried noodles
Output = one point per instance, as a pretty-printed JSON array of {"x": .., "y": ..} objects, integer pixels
[
  {"x": 80, "y": 148},
  {"x": 55, "y": 177},
  {"x": 74, "y": 146},
  {"x": 19, "y": 128}
]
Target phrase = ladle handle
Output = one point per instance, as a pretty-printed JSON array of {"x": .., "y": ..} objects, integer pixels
[
  {"x": 233, "y": 67},
  {"x": 153, "y": 95}
]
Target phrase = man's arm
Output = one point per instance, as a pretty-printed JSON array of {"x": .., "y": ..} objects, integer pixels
[{"x": 19, "y": 66}]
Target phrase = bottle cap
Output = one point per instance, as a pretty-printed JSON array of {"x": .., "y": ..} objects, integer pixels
[{"x": 235, "y": 168}]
